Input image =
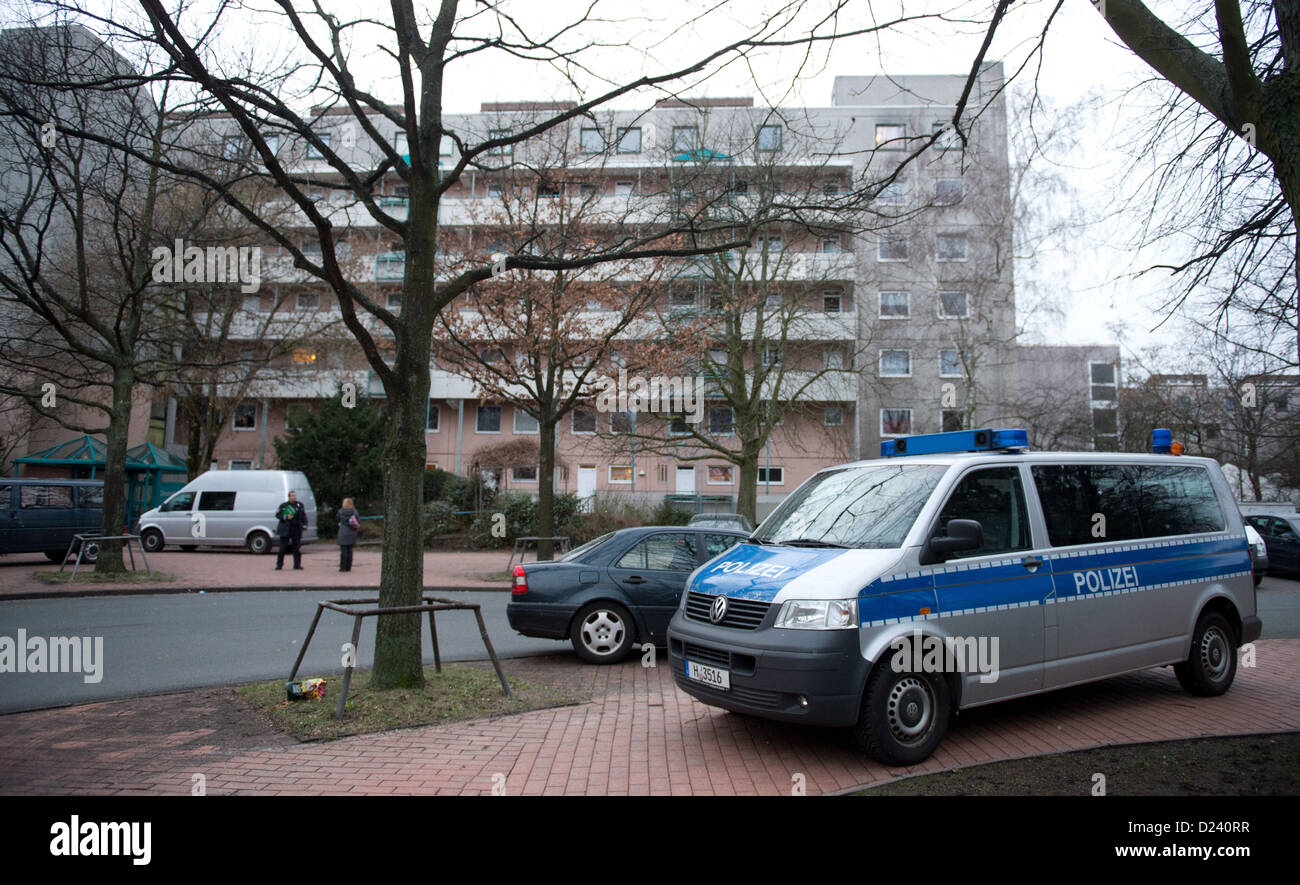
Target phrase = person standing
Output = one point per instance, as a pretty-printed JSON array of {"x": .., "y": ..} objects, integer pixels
[
  {"x": 293, "y": 519},
  {"x": 349, "y": 522}
]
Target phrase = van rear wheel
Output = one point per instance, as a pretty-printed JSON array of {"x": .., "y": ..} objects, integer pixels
[
  {"x": 259, "y": 542},
  {"x": 1212, "y": 664},
  {"x": 904, "y": 716}
]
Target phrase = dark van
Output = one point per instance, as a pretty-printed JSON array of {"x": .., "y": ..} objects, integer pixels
[{"x": 42, "y": 515}]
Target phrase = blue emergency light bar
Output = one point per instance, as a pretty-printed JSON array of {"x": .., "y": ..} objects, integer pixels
[{"x": 986, "y": 440}]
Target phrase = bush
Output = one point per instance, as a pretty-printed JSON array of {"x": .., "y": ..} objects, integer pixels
[
  {"x": 440, "y": 519},
  {"x": 667, "y": 513},
  {"x": 443, "y": 485},
  {"x": 606, "y": 514}
]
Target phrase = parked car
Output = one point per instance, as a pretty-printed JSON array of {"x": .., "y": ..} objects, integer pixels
[
  {"x": 1281, "y": 533},
  {"x": 43, "y": 515},
  {"x": 227, "y": 508},
  {"x": 615, "y": 591},
  {"x": 1258, "y": 553},
  {"x": 722, "y": 521}
]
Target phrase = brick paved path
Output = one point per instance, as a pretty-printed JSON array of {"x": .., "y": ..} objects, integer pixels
[{"x": 638, "y": 735}]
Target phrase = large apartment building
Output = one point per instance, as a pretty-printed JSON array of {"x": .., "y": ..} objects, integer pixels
[{"x": 889, "y": 315}]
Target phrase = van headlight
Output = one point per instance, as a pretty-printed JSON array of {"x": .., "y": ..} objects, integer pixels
[{"x": 818, "y": 614}]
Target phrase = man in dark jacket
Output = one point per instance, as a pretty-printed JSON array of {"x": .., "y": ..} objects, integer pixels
[{"x": 293, "y": 519}]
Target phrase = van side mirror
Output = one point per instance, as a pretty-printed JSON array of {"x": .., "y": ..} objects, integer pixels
[{"x": 963, "y": 534}]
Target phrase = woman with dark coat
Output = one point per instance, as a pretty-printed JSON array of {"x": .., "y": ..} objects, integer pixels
[{"x": 348, "y": 525}]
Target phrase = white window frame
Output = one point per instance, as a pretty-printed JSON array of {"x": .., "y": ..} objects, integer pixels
[
  {"x": 695, "y": 146},
  {"x": 826, "y": 422},
  {"x": 435, "y": 412},
  {"x": 583, "y": 132},
  {"x": 880, "y": 305},
  {"x": 758, "y": 138},
  {"x": 965, "y": 251},
  {"x": 894, "y": 138},
  {"x": 959, "y": 373},
  {"x": 910, "y": 421},
  {"x": 401, "y": 144},
  {"x": 573, "y": 418},
  {"x": 478, "y": 412},
  {"x": 836, "y": 244},
  {"x": 953, "y": 316},
  {"x": 827, "y": 355},
  {"x": 880, "y": 367},
  {"x": 298, "y": 303},
  {"x": 907, "y": 249},
  {"x": 622, "y": 132},
  {"x": 836, "y": 294},
  {"x": 312, "y": 152},
  {"x": 771, "y": 482},
  {"x": 536, "y": 475},
  {"x": 709, "y": 424},
  {"x": 961, "y": 191},
  {"x": 624, "y": 188},
  {"x": 446, "y": 145},
  {"x": 731, "y": 478},
  {"x": 515, "y": 419},
  {"x": 234, "y": 414},
  {"x": 230, "y": 465},
  {"x": 609, "y": 474}
]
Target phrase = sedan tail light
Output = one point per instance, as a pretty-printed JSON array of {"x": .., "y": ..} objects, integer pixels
[{"x": 520, "y": 584}]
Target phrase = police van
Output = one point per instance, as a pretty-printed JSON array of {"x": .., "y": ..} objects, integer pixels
[{"x": 961, "y": 569}]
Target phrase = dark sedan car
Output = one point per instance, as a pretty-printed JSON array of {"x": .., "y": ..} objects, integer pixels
[
  {"x": 610, "y": 593},
  {"x": 1281, "y": 533},
  {"x": 721, "y": 521}
]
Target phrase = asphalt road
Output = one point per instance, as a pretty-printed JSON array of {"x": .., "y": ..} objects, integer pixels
[{"x": 155, "y": 644}]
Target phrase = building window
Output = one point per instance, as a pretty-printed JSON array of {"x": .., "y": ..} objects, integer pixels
[
  {"x": 771, "y": 475},
  {"x": 525, "y": 423},
  {"x": 620, "y": 473},
  {"x": 583, "y": 421},
  {"x": 720, "y": 474},
  {"x": 895, "y": 305},
  {"x": 400, "y": 143},
  {"x": 681, "y": 300},
  {"x": 272, "y": 143},
  {"x": 1102, "y": 378},
  {"x": 1105, "y": 422},
  {"x": 296, "y": 416},
  {"x": 892, "y": 249},
  {"x": 304, "y": 356},
  {"x": 432, "y": 417},
  {"x": 950, "y": 364},
  {"x": 686, "y": 138},
  {"x": 833, "y": 416},
  {"x": 308, "y": 301},
  {"x": 948, "y": 191},
  {"x": 252, "y": 303},
  {"x": 245, "y": 416},
  {"x": 720, "y": 420},
  {"x": 629, "y": 140},
  {"x": 524, "y": 474},
  {"x": 313, "y": 152},
  {"x": 954, "y": 305},
  {"x": 952, "y": 420},
  {"x": 769, "y": 138},
  {"x": 832, "y": 244},
  {"x": 393, "y": 300},
  {"x": 622, "y": 422},
  {"x": 947, "y": 140},
  {"x": 895, "y": 363},
  {"x": 241, "y": 464},
  {"x": 893, "y": 194},
  {"x": 489, "y": 419},
  {"x": 895, "y": 422},
  {"x": 491, "y": 355},
  {"x": 771, "y": 355},
  {"x": 390, "y": 265},
  {"x": 548, "y": 190},
  {"x": 494, "y": 189},
  {"x": 891, "y": 136},
  {"x": 445, "y": 145},
  {"x": 833, "y": 358},
  {"x": 231, "y": 147},
  {"x": 624, "y": 188},
  {"x": 950, "y": 247},
  {"x": 503, "y": 150},
  {"x": 832, "y": 302},
  {"x": 591, "y": 140},
  {"x": 770, "y": 242}
]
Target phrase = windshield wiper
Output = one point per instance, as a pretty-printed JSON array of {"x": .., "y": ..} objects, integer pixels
[{"x": 809, "y": 542}]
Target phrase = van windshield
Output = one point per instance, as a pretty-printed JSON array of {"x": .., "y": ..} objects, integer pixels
[{"x": 853, "y": 507}]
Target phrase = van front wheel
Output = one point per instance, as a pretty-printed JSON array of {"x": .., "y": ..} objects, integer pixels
[
  {"x": 1212, "y": 664},
  {"x": 904, "y": 716},
  {"x": 152, "y": 540}
]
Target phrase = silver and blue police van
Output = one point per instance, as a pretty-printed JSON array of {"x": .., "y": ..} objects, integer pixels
[{"x": 961, "y": 569}]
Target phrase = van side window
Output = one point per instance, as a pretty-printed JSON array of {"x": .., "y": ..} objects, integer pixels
[
  {"x": 996, "y": 499},
  {"x": 45, "y": 498},
  {"x": 217, "y": 501},
  {"x": 1134, "y": 502},
  {"x": 90, "y": 497},
  {"x": 183, "y": 501}
]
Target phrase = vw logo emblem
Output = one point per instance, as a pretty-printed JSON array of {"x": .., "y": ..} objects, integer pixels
[{"x": 719, "y": 609}]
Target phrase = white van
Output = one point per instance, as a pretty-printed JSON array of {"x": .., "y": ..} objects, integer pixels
[
  {"x": 227, "y": 508},
  {"x": 961, "y": 569}
]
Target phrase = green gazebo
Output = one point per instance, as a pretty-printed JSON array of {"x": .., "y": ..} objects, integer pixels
[{"x": 152, "y": 474}]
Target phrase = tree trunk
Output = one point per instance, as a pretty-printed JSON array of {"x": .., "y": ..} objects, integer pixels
[
  {"x": 546, "y": 487},
  {"x": 747, "y": 492},
  {"x": 193, "y": 453},
  {"x": 115, "y": 490}
]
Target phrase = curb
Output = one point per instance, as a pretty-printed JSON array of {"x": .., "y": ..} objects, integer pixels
[{"x": 176, "y": 591}]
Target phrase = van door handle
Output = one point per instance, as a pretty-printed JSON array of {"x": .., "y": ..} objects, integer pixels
[{"x": 1031, "y": 563}]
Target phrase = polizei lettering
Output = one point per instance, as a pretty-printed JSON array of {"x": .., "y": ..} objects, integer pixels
[
  {"x": 757, "y": 570},
  {"x": 1098, "y": 580}
]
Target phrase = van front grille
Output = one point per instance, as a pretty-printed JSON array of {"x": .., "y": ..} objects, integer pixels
[{"x": 743, "y": 614}]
